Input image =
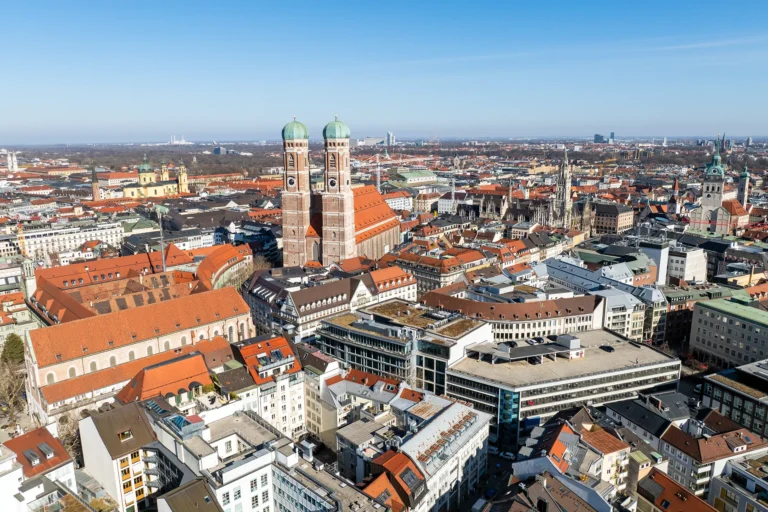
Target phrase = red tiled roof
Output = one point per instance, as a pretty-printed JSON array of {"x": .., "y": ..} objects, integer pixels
[
  {"x": 71, "y": 340},
  {"x": 673, "y": 496},
  {"x": 734, "y": 207},
  {"x": 32, "y": 441},
  {"x": 251, "y": 354},
  {"x": 603, "y": 442},
  {"x": 181, "y": 374},
  {"x": 115, "y": 375}
]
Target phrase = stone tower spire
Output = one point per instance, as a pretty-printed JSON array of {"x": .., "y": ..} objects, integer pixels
[
  {"x": 95, "y": 185},
  {"x": 563, "y": 199},
  {"x": 296, "y": 194},
  {"x": 338, "y": 200},
  {"x": 743, "y": 191}
]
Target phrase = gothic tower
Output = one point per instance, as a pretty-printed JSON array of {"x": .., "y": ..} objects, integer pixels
[
  {"x": 95, "y": 185},
  {"x": 563, "y": 206},
  {"x": 182, "y": 179},
  {"x": 146, "y": 172},
  {"x": 338, "y": 201},
  {"x": 743, "y": 192},
  {"x": 702, "y": 218},
  {"x": 675, "y": 200},
  {"x": 296, "y": 193}
]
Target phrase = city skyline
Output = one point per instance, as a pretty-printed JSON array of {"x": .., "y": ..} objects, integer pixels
[{"x": 111, "y": 74}]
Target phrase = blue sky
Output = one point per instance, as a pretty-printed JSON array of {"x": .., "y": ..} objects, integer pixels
[{"x": 141, "y": 71}]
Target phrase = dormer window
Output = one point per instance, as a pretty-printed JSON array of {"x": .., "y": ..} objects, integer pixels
[{"x": 125, "y": 436}]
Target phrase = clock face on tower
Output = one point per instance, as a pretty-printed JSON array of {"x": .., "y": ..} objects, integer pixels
[
  {"x": 291, "y": 182},
  {"x": 332, "y": 183}
]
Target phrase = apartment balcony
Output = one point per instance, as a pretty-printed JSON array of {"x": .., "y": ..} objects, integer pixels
[
  {"x": 152, "y": 471},
  {"x": 623, "y": 475},
  {"x": 125, "y": 477},
  {"x": 154, "y": 483},
  {"x": 702, "y": 479},
  {"x": 152, "y": 459}
]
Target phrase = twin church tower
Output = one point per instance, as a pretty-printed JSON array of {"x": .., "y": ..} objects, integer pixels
[{"x": 302, "y": 215}]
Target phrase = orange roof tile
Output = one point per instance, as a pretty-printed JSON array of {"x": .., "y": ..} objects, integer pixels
[
  {"x": 382, "y": 488},
  {"x": 253, "y": 352},
  {"x": 603, "y": 442},
  {"x": 180, "y": 374},
  {"x": 31, "y": 441},
  {"x": 68, "y": 341},
  {"x": 115, "y": 375}
]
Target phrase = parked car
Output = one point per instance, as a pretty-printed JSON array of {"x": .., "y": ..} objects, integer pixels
[
  {"x": 493, "y": 450},
  {"x": 607, "y": 348},
  {"x": 507, "y": 455}
]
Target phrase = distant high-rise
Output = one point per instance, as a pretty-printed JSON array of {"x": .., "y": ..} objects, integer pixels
[
  {"x": 599, "y": 139},
  {"x": 749, "y": 141},
  {"x": 390, "y": 141},
  {"x": 664, "y": 143}
]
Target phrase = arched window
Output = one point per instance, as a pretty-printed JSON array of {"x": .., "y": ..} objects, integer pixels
[
  {"x": 112, "y": 361},
  {"x": 242, "y": 330},
  {"x": 131, "y": 356},
  {"x": 332, "y": 161},
  {"x": 50, "y": 378},
  {"x": 93, "y": 366},
  {"x": 167, "y": 345},
  {"x": 72, "y": 373},
  {"x": 231, "y": 333},
  {"x": 291, "y": 161},
  {"x": 216, "y": 332},
  {"x": 183, "y": 340},
  {"x": 149, "y": 351},
  {"x": 202, "y": 337}
]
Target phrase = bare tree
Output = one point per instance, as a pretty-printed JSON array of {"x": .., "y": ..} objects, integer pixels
[
  {"x": 12, "y": 388},
  {"x": 260, "y": 263},
  {"x": 69, "y": 435}
]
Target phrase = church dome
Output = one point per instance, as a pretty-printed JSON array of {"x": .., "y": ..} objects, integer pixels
[
  {"x": 336, "y": 130},
  {"x": 295, "y": 131},
  {"x": 144, "y": 166}
]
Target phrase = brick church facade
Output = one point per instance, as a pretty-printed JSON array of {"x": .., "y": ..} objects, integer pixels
[{"x": 341, "y": 222}]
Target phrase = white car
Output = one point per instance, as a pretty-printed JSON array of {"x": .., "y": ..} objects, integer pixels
[
  {"x": 507, "y": 455},
  {"x": 493, "y": 450}
]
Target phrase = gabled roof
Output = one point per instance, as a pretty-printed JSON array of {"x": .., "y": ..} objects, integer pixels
[
  {"x": 46, "y": 449},
  {"x": 668, "y": 495},
  {"x": 266, "y": 352},
  {"x": 72, "y": 340},
  {"x": 383, "y": 491},
  {"x": 170, "y": 377},
  {"x": 603, "y": 442},
  {"x": 124, "y": 429},
  {"x": 216, "y": 352}
]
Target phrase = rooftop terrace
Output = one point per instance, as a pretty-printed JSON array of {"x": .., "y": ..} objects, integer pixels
[{"x": 625, "y": 355}]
